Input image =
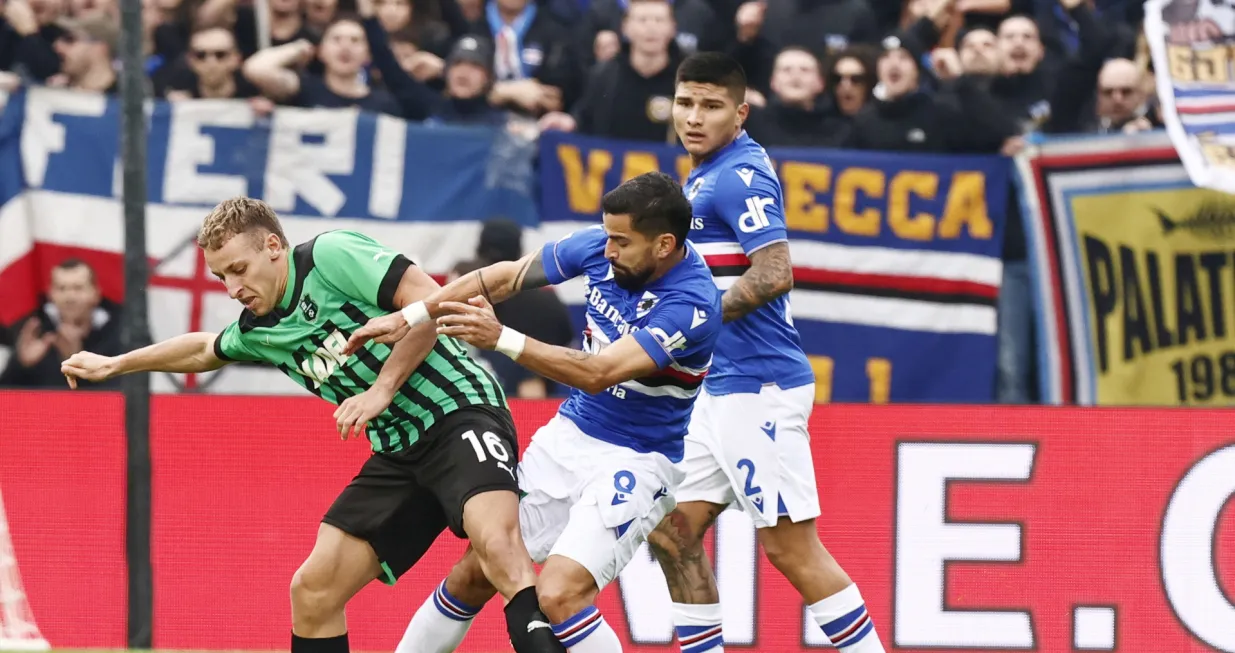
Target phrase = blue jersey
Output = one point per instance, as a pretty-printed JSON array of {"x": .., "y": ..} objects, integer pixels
[
  {"x": 737, "y": 210},
  {"x": 676, "y": 319}
]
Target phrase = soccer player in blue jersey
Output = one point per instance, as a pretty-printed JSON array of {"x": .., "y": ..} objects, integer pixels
[
  {"x": 748, "y": 441},
  {"x": 601, "y": 474}
]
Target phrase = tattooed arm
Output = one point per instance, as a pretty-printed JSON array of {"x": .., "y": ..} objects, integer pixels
[
  {"x": 770, "y": 275},
  {"x": 496, "y": 283}
]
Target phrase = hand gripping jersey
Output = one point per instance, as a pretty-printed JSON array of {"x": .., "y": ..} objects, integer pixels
[
  {"x": 335, "y": 284},
  {"x": 675, "y": 318},
  {"x": 737, "y": 207}
]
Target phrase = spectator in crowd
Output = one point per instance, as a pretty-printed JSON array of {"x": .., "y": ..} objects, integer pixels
[
  {"x": 906, "y": 118},
  {"x": 538, "y": 313},
  {"x": 631, "y": 96},
  {"x": 320, "y": 14},
  {"x": 87, "y": 50},
  {"x": 28, "y": 36},
  {"x": 343, "y": 53},
  {"x": 469, "y": 97},
  {"x": 74, "y": 318},
  {"x": 287, "y": 23},
  {"x": 698, "y": 27},
  {"x": 765, "y": 27},
  {"x": 536, "y": 69},
  {"x": 214, "y": 68},
  {"x": 799, "y": 114}
]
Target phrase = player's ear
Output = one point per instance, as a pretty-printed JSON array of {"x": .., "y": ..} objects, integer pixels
[
  {"x": 273, "y": 245},
  {"x": 665, "y": 244},
  {"x": 743, "y": 113}
]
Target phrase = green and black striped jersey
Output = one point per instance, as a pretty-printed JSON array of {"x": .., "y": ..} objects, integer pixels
[{"x": 336, "y": 282}]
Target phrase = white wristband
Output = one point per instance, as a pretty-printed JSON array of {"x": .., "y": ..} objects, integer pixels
[
  {"x": 416, "y": 314},
  {"x": 511, "y": 343}
]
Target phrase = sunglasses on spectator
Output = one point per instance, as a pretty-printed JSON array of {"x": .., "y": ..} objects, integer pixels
[
  {"x": 837, "y": 78},
  {"x": 202, "y": 55}
]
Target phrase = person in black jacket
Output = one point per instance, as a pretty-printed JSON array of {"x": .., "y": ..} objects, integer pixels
[
  {"x": 698, "y": 27},
  {"x": 74, "y": 318},
  {"x": 906, "y": 118},
  {"x": 797, "y": 111},
  {"x": 631, "y": 96}
]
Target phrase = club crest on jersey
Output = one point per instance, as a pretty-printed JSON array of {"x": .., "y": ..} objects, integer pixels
[
  {"x": 645, "y": 304},
  {"x": 694, "y": 189},
  {"x": 308, "y": 307}
]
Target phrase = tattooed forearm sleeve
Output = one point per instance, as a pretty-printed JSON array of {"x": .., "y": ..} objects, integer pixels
[{"x": 770, "y": 276}]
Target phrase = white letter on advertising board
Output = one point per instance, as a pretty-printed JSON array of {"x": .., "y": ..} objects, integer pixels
[
  {"x": 926, "y": 542},
  {"x": 1188, "y": 541},
  {"x": 189, "y": 149},
  {"x": 297, "y": 168}
]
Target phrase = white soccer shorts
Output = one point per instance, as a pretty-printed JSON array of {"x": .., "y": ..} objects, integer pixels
[
  {"x": 753, "y": 450},
  {"x": 589, "y": 500}
]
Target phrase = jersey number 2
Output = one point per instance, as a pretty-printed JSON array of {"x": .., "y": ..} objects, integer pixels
[
  {"x": 748, "y": 466},
  {"x": 492, "y": 442}
]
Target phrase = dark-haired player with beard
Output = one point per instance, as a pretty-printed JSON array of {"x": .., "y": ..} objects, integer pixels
[
  {"x": 601, "y": 474},
  {"x": 748, "y": 442}
]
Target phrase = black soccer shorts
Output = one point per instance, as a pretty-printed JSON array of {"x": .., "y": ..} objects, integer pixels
[{"x": 399, "y": 503}]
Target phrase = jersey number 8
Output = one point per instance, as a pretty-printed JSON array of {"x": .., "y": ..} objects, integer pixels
[{"x": 491, "y": 442}]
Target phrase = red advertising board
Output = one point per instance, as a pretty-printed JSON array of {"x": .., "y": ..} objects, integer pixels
[{"x": 967, "y": 528}]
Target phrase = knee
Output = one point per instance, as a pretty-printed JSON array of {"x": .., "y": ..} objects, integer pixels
[
  {"x": 562, "y": 595},
  {"x": 314, "y": 597},
  {"x": 674, "y": 541},
  {"x": 791, "y": 546}
]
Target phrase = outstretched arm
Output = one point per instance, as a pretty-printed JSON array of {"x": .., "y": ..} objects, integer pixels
[
  {"x": 770, "y": 275},
  {"x": 475, "y": 323},
  {"x": 496, "y": 283},
  {"x": 189, "y": 353}
]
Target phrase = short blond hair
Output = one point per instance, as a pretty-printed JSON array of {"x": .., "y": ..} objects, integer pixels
[{"x": 236, "y": 216}]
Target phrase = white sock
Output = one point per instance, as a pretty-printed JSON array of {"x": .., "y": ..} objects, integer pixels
[
  {"x": 439, "y": 625},
  {"x": 698, "y": 627},
  {"x": 844, "y": 620},
  {"x": 587, "y": 632}
]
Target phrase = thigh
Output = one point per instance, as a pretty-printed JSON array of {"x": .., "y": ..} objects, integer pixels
[
  {"x": 702, "y": 463},
  {"x": 797, "y": 487},
  {"x": 547, "y": 487},
  {"x": 470, "y": 451},
  {"x": 624, "y": 499},
  {"x": 385, "y": 507}
]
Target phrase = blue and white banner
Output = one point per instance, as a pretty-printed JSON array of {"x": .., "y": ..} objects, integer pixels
[
  {"x": 896, "y": 257},
  {"x": 421, "y": 190},
  {"x": 1190, "y": 42}
]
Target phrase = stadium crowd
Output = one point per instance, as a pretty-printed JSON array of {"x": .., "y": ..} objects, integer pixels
[{"x": 920, "y": 76}]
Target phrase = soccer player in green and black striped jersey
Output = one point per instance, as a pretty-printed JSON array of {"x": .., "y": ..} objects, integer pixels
[{"x": 444, "y": 443}]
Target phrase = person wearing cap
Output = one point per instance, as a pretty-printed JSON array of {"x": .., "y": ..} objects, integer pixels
[
  {"x": 906, "y": 116},
  {"x": 87, "y": 49},
  {"x": 469, "y": 78}
]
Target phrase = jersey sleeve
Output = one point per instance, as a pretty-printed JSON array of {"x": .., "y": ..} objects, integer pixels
[
  {"x": 567, "y": 258},
  {"x": 360, "y": 267},
  {"x": 230, "y": 345},
  {"x": 748, "y": 200},
  {"x": 679, "y": 330}
]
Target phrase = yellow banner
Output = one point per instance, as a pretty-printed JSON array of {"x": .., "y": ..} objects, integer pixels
[{"x": 1160, "y": 294}]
